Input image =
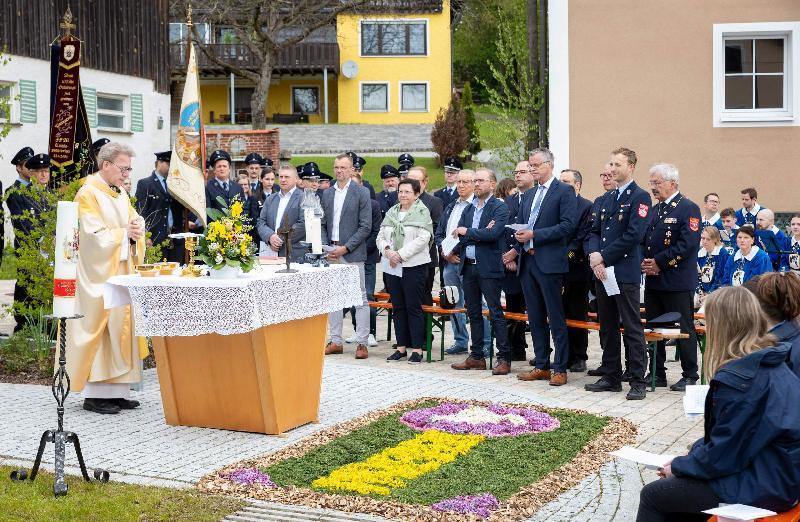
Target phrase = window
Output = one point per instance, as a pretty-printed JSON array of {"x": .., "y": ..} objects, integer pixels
[
  {"x": 374, "y": 97},
  {"x": 7, "y": 95},
  {"x": 111, "y": 111},
  {"x": 178, "y": 32},
  {"x": 394, "y": 38},
  {"x": 756, "y": 70},
  {"x": 305, "y": 100},
  {"x": 414, "y": 97}
]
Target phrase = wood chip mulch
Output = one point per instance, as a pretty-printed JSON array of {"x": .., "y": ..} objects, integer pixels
[{"x": 523, "y": 504}]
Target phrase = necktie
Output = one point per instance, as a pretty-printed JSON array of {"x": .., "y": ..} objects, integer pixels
[
  {"x": 537, "y": 205},
  {"x": 225, "y": 186},
  {"x": 253, "y": 186},
  {"x": 616, "y": 194},
  {"x": 169, "y": 210}
]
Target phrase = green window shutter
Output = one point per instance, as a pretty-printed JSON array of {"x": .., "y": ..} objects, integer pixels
[
  {"x": 27, "y": 101},
  {"x": 137, "y": 113},
  {"x": 90, "y": 100}
]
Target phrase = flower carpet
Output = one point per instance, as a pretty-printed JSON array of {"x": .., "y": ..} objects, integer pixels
[{"x": 434, "y": 459}]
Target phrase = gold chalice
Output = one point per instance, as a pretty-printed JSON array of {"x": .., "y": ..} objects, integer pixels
[{"x": 191, "y": 240}]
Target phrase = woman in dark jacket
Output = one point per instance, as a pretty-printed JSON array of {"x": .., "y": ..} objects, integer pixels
[
  {"x": 750, "y": 452},
  {"x": 779, "y": 295}
]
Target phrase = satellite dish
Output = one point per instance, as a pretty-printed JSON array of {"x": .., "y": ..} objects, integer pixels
[{"x": 349, "y": 69}]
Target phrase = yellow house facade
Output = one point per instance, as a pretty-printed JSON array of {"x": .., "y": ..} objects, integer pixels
[{"x": 372, "y": 67}]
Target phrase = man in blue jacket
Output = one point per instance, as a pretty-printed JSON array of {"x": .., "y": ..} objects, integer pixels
[
  {"x": 481, "y": 230},
  {"x": 550, "y": 213},
  {"x": 615, "y": 241}
]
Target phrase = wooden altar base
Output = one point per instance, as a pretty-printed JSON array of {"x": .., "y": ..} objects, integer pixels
[{"x": 264, "y": 381}]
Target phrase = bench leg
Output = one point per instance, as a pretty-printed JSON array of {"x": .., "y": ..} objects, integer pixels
[
  {"x": 389, "y": 325},
  {"x": 441, "y": 356},
  {"x": 653, "y": 349},
  {"x": 491, "y": 345},
  {"x": 701, "y": 342},
  {"x": 428, "y": 335}
]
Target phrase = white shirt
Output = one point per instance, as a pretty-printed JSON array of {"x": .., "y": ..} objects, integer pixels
[
  {"x": 455, "y": 215},
  {"x": 282, "y": 204},
  {"x": 753, "y": 251},
  {"x": 338, "y": 202},
  {"x": 713, "y": 219},
  {"x": 624, "y": 187}
]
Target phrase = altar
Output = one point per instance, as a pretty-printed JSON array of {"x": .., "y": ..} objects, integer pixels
[{"x": 241, "y": 354}]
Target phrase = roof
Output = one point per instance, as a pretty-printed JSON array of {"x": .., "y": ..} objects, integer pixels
[{"x": 400, "y": 6}]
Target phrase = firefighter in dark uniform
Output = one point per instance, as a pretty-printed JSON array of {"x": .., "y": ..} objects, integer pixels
[
  {"x": 615, "y": 241},
  {"x": 670, "y": 267},
  {"x": 386, "y": 198},
  {"x": 404, "y": 161},
  {"x": 162, "y": 214},
  {"x": 358, "y": 166},
  {"x": 448, "y": 193}
]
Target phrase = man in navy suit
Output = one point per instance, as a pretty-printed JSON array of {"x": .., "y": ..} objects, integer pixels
[
  {"x": 221, "y": 185},
  {"x": 575, "y": 297},
  {"x": 481, "y": 233},
  {"x": 615, "y": 241},
  {"x": 162, "y": 213},
  {"x": 448, "y": 193},
  {"x": 550, "y": 213}
]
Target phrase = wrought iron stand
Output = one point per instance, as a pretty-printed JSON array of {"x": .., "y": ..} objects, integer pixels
[{"x": 60, "y": 389}]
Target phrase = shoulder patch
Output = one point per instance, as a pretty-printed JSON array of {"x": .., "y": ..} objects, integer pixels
[
  {"x": 643, "y": 210},
  {"x": 694, "y": 224}
]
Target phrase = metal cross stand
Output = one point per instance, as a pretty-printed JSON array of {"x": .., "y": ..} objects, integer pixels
[
  {"x": 285, "y": 233},
  {"x": 60, "y": 389}
]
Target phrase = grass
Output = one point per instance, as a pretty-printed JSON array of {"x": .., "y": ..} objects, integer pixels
[
  {"x": 501, "y": 465},
  {"x": 8, "y": 268},
  {"x": 112, "y": 501},
  {"x": 372, "y": 170}
]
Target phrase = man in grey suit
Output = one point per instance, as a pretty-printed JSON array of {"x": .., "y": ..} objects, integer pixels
[
  {"x": 282, "y": 209},
  {"x": 346, "y": 226}
]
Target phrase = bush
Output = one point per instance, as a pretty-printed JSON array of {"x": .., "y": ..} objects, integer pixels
[
  {"x": 28, "y": 350},
  {"x": 449, "y": 135},
  {"x": 469, "y": 119}
]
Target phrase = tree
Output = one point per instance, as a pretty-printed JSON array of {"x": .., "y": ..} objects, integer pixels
[
  {"x": 265, "y": 28},
  {"x": 449, "y": 135},
  {"x": 469, "y": 119}
]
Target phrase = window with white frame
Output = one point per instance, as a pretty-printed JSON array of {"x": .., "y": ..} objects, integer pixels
[
  {"x": 7, "y": 102},
  {"x": 111, "y": 113},
  {"x": 375, "y": 97},
  {"x": 394, "y": 37},
  {"x": 414, "y": 97},
  {"x": 756, "y": 72},
  {"x": 305, "y": 100}
]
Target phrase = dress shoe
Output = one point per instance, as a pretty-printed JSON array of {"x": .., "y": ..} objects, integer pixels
[
  {"x": 471, "y": 363},
  {"x": 397, "y": 355},
  {"x": 361, "y": 352},
  {"x": 534, "y": 375},
  {"x": 682, "y": 384},
  {"x": 100, "y": 406},
  {"x": 125, "y": 404},
  {"x": 595, "y": 373},
  {"x": 661, "y": 382},
  {"x": 603, "y": 385},
  {"x": 558, "y": 379},
  {"x": 637, "y": 393},
  {"x": 416, "y": 358},
  {"x": 501, "y": 367},
  {"x": 578, "y": 367},
  {"x": 333, "y": 348},
  {"x": 454, "y": 350}
]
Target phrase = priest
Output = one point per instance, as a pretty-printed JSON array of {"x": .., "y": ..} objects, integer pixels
[{"x": 103, "y": 358}]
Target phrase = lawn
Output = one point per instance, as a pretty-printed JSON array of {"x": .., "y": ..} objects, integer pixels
[
  {"x": 8, "y": 269},
  {"x": 372, "y": 170},
  {"x": 112, "y": 501}
]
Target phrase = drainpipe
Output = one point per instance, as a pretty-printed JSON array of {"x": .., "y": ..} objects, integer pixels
[
  {"x": 325, "y": 90},
  {"x": 233, "y": 99}
]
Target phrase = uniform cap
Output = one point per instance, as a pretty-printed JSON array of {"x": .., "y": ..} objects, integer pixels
[
  {"x": 311, "y": 170},
  {"x": 24, "y": 154},
  {"x": 388, "y": 171},
  {"x": 39, "y": 161},
  {"x": 164, "y": 156},
  {"x": 218, "y": 155},
  {"x": 453, "y": 164},
  {"x": 253, "y": 158},
  {"x": 266, "y": 162},
  {"x": 359, "y": 163},
  {"x": 97, "y": 145},
  {"x": 406, "y": 158}
]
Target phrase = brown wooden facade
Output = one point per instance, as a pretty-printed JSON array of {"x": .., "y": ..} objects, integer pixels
[{"x": 129, "y": 37}]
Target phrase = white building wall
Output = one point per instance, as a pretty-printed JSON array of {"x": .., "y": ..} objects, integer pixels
[{"x": 36, "y": 135}]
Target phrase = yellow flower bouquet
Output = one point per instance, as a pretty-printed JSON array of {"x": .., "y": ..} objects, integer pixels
[{"x": 227, "y": 241}]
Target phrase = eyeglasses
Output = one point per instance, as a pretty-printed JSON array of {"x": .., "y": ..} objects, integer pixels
[
  {"x": 605, "y": 176},
  {"x": 657, "y": 183},
  {"x": 535, "y": 166},
  {"x": 122, "y": 169}
]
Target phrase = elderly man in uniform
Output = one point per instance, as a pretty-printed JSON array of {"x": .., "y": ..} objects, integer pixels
[
  {"x": 448, "y": 193},
  {"x": 222, "y": 186},
  {"x": 765, "y": 225},
  {"x": 615, "y": 241},
  {"x": 387, "y": 198},
  {"x": 670, "y": 267},
  {"x": 161, "y": 212},
  {"x": 103, "y": 358}
]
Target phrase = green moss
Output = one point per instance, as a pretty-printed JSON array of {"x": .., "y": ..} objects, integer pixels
[{"x": 112, "y": 501}]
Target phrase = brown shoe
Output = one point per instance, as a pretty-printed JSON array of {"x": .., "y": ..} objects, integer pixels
[
  {"x": 534, "y": 375},
  {"x": 501, "y": 367},
  {"x": 361, "y": 352},
  {"x": 558, "y": 379},
  {"x": 332, "y": 348},
  {"x": 471, "y": 363}
]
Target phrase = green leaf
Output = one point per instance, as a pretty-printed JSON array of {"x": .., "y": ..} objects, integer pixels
[
  {"x": 214, "y": 214},
  {"x": 233, "y": 262}
]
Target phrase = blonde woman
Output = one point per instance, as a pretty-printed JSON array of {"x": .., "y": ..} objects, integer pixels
[
  {"x": 750, "y": 452},
  {"x": 711, "y": 261},
  {"x": 404, "y": 240}
]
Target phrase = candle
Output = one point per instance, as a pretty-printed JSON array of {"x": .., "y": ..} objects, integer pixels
[
  {"x": 66, "y": 259},
  {"x": 313, "y": 231}
]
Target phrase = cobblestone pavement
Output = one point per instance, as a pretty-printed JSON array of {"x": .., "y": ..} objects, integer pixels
[{"x": 137, "y": 446}]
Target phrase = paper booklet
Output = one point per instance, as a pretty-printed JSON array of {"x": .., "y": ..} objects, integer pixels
[{"x": 650, "y": 460}]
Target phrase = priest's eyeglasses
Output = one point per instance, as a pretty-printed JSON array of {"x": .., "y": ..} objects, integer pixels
[{"x": 122, "y": 169}]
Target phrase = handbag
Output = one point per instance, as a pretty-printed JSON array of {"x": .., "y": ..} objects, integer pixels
[{"x": 448, "y": 297}]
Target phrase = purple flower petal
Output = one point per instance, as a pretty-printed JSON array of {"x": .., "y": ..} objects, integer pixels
[
  {"x": 536, "y": 421},
  {"x": 481, "y": 505},
  {"x": 251, "y": 476}
]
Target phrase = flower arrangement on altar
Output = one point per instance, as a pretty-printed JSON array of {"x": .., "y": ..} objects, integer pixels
[{"x": 227, "y": 241}]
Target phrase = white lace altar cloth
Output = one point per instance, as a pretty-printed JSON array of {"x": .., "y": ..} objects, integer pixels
[{"x": 185, "y": 306}]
